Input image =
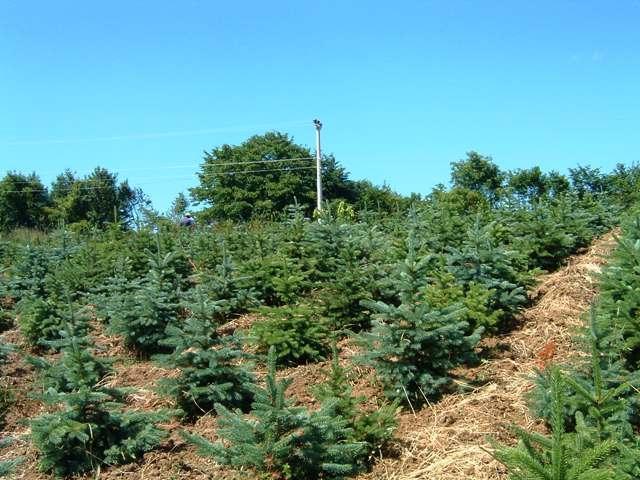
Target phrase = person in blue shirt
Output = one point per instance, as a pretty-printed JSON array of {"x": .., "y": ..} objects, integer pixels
[{"x": 187, "y": 221}]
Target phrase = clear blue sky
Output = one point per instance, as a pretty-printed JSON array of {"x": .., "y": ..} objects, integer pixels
[{"x": 403, "y": 88}]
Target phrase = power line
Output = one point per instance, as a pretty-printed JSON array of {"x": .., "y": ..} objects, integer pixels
[
  {"x": 258, "y": 171},
  {"x": 259, "y": 161},
  {"x": 152, "y": 135},
  {"x": 162, "y": 179},
  {"x": 171, "y": 167}
]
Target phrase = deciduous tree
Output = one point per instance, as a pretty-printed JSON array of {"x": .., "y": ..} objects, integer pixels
[{"x": 263, "y": 175}]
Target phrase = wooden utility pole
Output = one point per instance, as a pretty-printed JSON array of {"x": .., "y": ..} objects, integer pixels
[{"x": 318, "y": 126}]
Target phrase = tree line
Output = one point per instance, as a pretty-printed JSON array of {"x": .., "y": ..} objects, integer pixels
[
  {"x": 261, "y": 177},
  {"x": 95, "y": 199}
]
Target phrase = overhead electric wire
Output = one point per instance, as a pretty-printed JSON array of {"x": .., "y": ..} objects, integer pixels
[
  {"x": 256, "y": 171},
  {"x": 142, "y": 136},
  {"x": 260, "y": 161},
  {"x": 164, "y": 178},
  {"x": 170, "y": 167}
]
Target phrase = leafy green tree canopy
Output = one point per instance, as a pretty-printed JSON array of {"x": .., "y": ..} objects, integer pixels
[
  {"x": 478, "y": 173},
  {"x": 531, "y": 184},
  {"x": 97, "y": 198},
  {"x": 23, "y": 199},
  {"x": 585, "y": 179},
  {"x": 263, "y": 175},
  {"x": 378, "y": 198}
]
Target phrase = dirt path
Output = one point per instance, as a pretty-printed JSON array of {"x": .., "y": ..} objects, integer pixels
[{"x": 446, "y": 441}]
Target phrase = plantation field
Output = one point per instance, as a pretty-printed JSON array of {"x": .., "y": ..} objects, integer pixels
[
  {"x": 390, "y": 345},
  {"x": 445, "y": 440}
]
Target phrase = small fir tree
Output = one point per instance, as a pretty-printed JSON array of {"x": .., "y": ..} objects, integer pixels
[
  {"x": 619, "y": 301},
  {"x": 281, "y": 440},
  {"x": 563, "y": 456},
  {"x": 482, "y": 262},
  {"x": 543, "y": 235},
  {"x": 40, "y": 320},
  {"x": 289, "y": 280},
  {"x": 77, "y": 361},
  {"x": 7, "y": 399},
  {"x": 354, "y": 280},
  {"x": 29, "y": 272},
  {"x": 7, "y": 467},
  {"x": 227, "y": 289},
  {"x": 443, "y": 290},
  {"x": 114, "y": 295},
  {"x": 88, "y": 427},
  {"x": 210, "y": 365},
  {"x": 6, "y": 393},
  {"x": 144, "y": 314},
  {"x": 5, "y": 350},
  {"x": 414, "y": 345},
  {"x": 6, "y": 315},
  {"x": 298, "y": 333},
  {"x": 602, "y": 395},
  {"x": 374, "y": 428},
  {"x": 275, "y": 278}
]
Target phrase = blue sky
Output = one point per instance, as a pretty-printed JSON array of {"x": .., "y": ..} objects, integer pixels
[{"x": 403, "y": 88}]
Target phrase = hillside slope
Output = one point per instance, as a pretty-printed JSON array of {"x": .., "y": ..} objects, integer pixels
[
  {"x": 447, "y": 440},
  {"x": 443, "y": 441}
]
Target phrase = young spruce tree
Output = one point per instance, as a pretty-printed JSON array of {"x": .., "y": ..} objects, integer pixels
[
  {"x": 211, "y": 371},
  {"x": 619, "y": 301},
  {"x": 7, "y": 467},
  {"x": 414, "y": 345},
  {"x": 600, "y": 393},
  {"x": 227, "y": 289},
  {"x": 563, "y": 456},
  {"x": 281, "y": 441},
  {"x": 298, "y": 332},
  {"x": 481, "y": 261},
  {"x": 143, "y": 314},
  {"x": 373, "y": 428},
  {"x": 76, "y": 349},
  {"x": 87, "y": 426}
]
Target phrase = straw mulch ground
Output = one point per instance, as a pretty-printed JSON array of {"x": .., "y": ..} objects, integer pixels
[
  {"x": 443, "y": 441},
  {"x": 448, "y": 440}
]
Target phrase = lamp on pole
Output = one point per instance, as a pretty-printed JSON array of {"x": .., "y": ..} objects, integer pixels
[{"x": 318, "y": 124}]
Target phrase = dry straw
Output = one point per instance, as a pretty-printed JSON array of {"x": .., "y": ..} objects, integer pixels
[{"x": 448, "y": 440}]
